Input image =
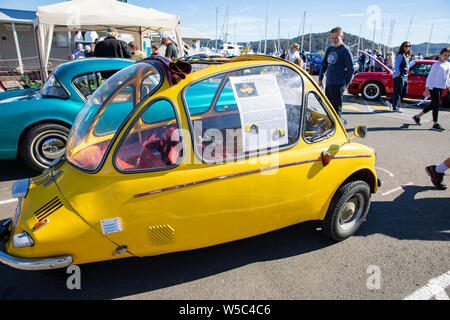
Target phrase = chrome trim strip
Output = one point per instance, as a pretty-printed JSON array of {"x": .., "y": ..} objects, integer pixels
[
  {"x": 139, "y": 195},
  {"x": 35, "y": 264}
]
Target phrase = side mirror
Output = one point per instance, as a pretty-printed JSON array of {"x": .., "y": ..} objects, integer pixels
[{"x": 361, "y": 131}]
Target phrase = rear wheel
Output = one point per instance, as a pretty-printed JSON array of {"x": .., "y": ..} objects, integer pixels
[
  {"x": 372, "y": 91},
  {"x": 44, "y": 143},
  {"x": 347, "y": 211}
]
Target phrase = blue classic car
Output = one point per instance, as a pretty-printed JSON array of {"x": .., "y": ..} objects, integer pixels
[
  {"x": 314, "y": 62},
  {"x": 35, "y": 124}
]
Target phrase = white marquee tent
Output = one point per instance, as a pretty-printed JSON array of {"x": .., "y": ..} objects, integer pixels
[{"x": 98, "y": 15}]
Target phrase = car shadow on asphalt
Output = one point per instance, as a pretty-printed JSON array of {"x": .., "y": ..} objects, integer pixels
[
  {"x": 405, "y": 218},
  {"x": 15, "y": 170},
  {"x": 409, "y": 217},
  {"x": 131, "y": 276}
]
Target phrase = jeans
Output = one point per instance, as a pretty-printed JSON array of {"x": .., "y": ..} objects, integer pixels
[
  {"x": 400, "y": 90},
  {"x": 435, "y": 103},
  {"x": 334, "y": 93}
]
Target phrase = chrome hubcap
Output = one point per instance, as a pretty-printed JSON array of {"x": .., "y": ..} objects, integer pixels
[
  {"x": 53, "y": 148},
  {"x": 49, "y": 146},
  {"x": 351, "y": 212}
]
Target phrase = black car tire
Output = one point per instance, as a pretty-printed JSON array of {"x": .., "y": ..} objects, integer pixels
[
  {"x": 34, "y": 146},
  {"x": 372, "y": 91},
  {"x": 348, "y": 209}
]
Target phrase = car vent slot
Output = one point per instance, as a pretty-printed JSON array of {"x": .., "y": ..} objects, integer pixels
[
  {"x": 161, "y": 235},
  {"x": 48, "y": 209}
]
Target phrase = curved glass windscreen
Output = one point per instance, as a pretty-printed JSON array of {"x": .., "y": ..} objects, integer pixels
[{"x": 106, "y": 110}]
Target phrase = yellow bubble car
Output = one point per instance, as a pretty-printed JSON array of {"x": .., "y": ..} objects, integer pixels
[{"x": 154, "y": 165}]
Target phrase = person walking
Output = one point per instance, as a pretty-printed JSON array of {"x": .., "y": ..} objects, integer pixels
[
  {"x": 112, "y": 47},
  {"x": 338, "y": 67},
  {"x": 437, "y": 173},
  {"x": 400, "y": 75},
  {"x": 171, "y": 49},
  {"x": 293, "y": 54},
  {"x": 438, "y": 79}
]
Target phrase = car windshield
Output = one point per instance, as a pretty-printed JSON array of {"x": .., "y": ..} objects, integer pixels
[
  {"x": 54, "y": 89},
  {"x": 106, "y": 110}
]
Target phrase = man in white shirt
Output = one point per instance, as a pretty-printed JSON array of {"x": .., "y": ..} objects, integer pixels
[{"x": 293, "y": 54}]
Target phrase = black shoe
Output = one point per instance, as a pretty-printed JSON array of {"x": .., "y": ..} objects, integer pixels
[
  {"x": 417, "y": 120},
  {"x": 436, "y": 178},
  {"x": 437, "y": 127}
]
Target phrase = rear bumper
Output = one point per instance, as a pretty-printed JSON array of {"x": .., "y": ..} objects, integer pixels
[
  {"x": 353, "y": 88},
  {"x": 29, "y": 263}
]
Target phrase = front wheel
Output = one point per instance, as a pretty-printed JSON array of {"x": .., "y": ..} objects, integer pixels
[
  {"x": 347, "y": 211},
  {"x": 44, "y": 143}
]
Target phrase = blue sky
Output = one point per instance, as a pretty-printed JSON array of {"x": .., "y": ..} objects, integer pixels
[{"x": 249, "y": 17}]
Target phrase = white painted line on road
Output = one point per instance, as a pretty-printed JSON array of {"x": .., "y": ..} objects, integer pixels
[
  {"x": 367, "y": 105},
  {"x": 396, "y": 189},
  {"x": 7, "y": 201},
  {"x": 435, "y": 288},
  {"x": 388, "y": 172}
]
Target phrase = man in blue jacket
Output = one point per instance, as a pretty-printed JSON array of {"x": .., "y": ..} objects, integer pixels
[{"x": 338, "y": 66}]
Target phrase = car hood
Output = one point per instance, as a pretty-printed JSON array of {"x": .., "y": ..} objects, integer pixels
[{"x": 21, "y": 95}]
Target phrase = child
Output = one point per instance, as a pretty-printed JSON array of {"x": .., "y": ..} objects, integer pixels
[
  {"x": 437, "y": 172},
  {"x": 438, "y": 79}
]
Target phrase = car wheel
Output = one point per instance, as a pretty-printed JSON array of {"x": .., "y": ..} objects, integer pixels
[
  {"x": 372, "y": 91},
  {"x": 42, "y": 144},
  {"x": 347, "y": 211}
]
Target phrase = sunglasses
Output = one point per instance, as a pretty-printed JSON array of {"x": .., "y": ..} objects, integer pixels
[{"x": 408, "y": 46}]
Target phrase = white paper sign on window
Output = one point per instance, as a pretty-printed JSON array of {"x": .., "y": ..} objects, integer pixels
[{"x": 262, "y": 111}]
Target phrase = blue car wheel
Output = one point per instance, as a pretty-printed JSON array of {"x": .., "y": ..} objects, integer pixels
[{"x": 42, "y": 144}]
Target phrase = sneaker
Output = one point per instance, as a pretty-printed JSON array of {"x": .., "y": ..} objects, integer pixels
[
  {"x": 417, "y": 120},
  {"x": 436, "y": 178},
  {"x": 437, "y": 127},
  {"x": 398, "y": 110},
  {"x": 344, "y": 122}
]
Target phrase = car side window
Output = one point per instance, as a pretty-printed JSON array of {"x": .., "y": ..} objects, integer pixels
[
  {"x": 153, "y": 142},
  {"x": 54, "y": 89},
  {"x": 86, "y": 84},
  {"x": 318, "y": 124},
  {"x": 245, "y": 112},
  {"x": 421, "y": 69}
]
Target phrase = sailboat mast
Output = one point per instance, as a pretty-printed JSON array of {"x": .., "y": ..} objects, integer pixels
[
  {"x": 217, "y": 21},
  {"x": 303, "y": 30},
  {"x": 265, "y": 35},
  {"x": 310, "y": 38},
  {"x": 429, "y": 40},
  {"x": 409, "y": 28}
]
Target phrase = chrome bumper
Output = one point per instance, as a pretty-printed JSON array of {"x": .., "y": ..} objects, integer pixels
[{"x": 34, "y": 264}]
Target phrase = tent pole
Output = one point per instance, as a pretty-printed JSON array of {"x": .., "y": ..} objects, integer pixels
[
  {"x": 38, "y": 47},
  {"x": 19, "y": 56}
]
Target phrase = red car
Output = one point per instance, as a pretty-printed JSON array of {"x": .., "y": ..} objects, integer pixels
[{"x": 373, "y": 85}]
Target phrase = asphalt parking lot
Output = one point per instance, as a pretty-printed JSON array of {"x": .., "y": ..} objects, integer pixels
[{"x": 401, "y": 250}]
